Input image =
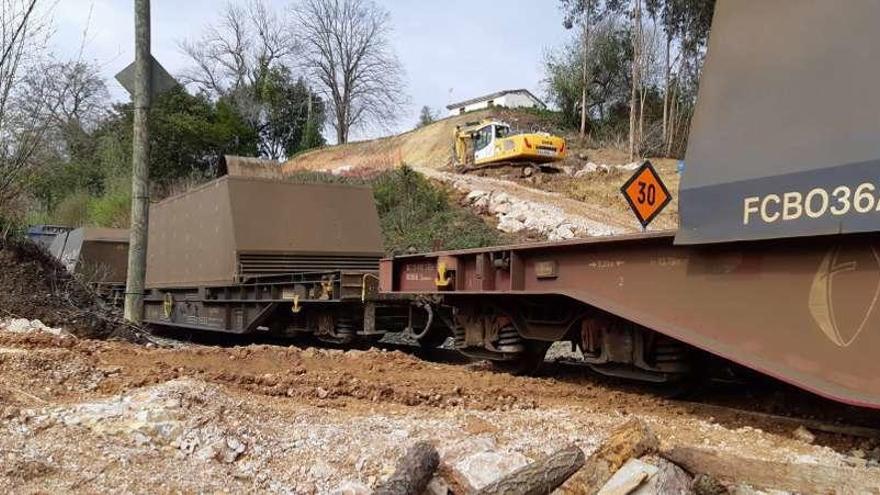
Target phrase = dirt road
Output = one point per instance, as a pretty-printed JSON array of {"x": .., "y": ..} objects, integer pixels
[
  {"x": 91, "y": 416},
  {"x": 550, "y": 214}
]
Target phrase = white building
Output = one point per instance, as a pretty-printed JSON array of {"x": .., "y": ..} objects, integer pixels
[{"x": 511, "y": 98}]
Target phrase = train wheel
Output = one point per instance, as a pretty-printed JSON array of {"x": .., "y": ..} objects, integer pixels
[{"x": 525, "y": 363}]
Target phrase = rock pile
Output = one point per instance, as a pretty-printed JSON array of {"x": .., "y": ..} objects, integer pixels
[
  {"x": 158, "y": 416},
  {"x": 518, "y": 215},
  {"x": 593, "y": 168},
  {"x": 23, "y": 325}
]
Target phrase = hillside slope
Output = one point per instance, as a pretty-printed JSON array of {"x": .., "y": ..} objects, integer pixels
[
  {"x": 583, "y": 201},
  {"x": 429, "y": 146}
]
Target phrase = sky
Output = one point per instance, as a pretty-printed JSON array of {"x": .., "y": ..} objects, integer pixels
[{"x": 451, "y": 50}]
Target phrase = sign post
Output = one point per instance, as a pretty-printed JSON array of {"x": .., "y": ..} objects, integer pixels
[
  {"x": 646, "y": 194},
  {"x": 144, "y": 79}
]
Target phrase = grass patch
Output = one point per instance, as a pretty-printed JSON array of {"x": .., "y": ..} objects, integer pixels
[{"x": 81, "y": 209}]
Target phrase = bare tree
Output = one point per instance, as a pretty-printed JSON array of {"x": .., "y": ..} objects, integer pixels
[
  {"x": 586, "y": 64},
  {"x": 23, "y": 33},
  {"x": 650, "y": 50},
  {"x": 240, "y": 51},
  {"x": 584, "y": 13},
  {"x": 71, "y": 96},
  {"x": 346, "y": 48},
  {"x": 244, "y": 58}
]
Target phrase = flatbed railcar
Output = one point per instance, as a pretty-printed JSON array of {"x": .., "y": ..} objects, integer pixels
[
  {"x": 636, "y": 306},
  {"x": 245, "y": 255},
  {"x": 776, "y": 263},
  {"x": 338, "y": 306}
]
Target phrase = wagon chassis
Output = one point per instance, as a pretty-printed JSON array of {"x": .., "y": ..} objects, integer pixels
[{"x": 338, "y": 306}]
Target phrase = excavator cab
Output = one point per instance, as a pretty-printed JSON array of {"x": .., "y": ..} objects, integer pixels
[
  {"x": 485, "y": 140},
  {"x": 492, "y": 143}
]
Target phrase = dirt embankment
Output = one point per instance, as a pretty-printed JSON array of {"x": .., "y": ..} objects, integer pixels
[
  {"x": 596, "y": 186},
  {"x": 34, "y": 285},
  {"x": 429, "y": 146},
  {"x": 584, "y": 200},
  {"x": 98, "y": 417}
]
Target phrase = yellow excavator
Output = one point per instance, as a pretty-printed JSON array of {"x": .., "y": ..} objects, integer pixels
[{"x": 490, "y": 143}]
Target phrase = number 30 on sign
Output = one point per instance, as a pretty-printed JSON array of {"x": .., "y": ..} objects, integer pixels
[{"x": 646, "y": 193}]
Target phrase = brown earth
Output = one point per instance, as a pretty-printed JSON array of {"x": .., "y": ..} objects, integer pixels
[
  {"x": 36, "y": 285},
  {"x": 429, "y": 146},
  {"x": 95, "y": 417}
]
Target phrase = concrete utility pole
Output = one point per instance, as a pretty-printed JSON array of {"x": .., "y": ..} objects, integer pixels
[{"x": 140, "y": 188}]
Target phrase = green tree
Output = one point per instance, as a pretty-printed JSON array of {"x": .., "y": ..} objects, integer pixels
[
  {"x": 287, "y": 108},
  {"x": 584, "y": 14},
  {"x": 311, "y": 134},
  {"x": 642, "y": 52},
  {"x": 189, "y": 135},
  {"x": 244, "y": 59},
  {"x": 610, "y": 57},
  {"x": 92, "y": 165}
]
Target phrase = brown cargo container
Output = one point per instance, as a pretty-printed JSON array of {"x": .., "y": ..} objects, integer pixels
[
  {"x": 783, "y": 141},
  {"x": 236, "y": 229},
  {"x": 99, "y": 254}
]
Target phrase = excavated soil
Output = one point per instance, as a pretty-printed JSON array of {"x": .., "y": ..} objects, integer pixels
[
  {"x": 33, "y": 284},
  {"x": 428, "y": 146},
  {"x": 87, "y": 416}
]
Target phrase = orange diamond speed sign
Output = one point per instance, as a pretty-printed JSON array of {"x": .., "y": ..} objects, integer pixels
[{"x": 646, "y": 193}]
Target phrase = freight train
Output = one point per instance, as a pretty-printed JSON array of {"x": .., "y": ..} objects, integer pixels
[{"x": 775, "y": 266}]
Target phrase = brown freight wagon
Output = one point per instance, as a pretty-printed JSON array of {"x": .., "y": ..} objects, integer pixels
[
  {"x": 245, "y": 254},
  {"x": 99, "y": 255},
  {"x": 776, "y": 263}
]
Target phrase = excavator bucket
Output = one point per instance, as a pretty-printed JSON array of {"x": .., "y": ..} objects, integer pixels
[{"x": 784, "y": 140}]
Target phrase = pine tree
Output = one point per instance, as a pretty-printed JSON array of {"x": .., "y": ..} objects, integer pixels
[{"x": 311, "y": 136}]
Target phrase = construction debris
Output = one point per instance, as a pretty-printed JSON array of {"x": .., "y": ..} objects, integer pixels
[
  {"x": 669, "y": 478},
  {"x": 23, "y": 325},
  {"x": 629, "y": 477},
  {"x": 630, "y": 440}
]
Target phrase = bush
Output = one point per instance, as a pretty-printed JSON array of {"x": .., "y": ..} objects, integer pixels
[
  {"x": 73, "y": 210},
  {"x": 113, "y": 209},
  {"x": 10, "y": 228},
  {"x": 414, "y": 213},
  {"x": 79, "y": 208}
]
